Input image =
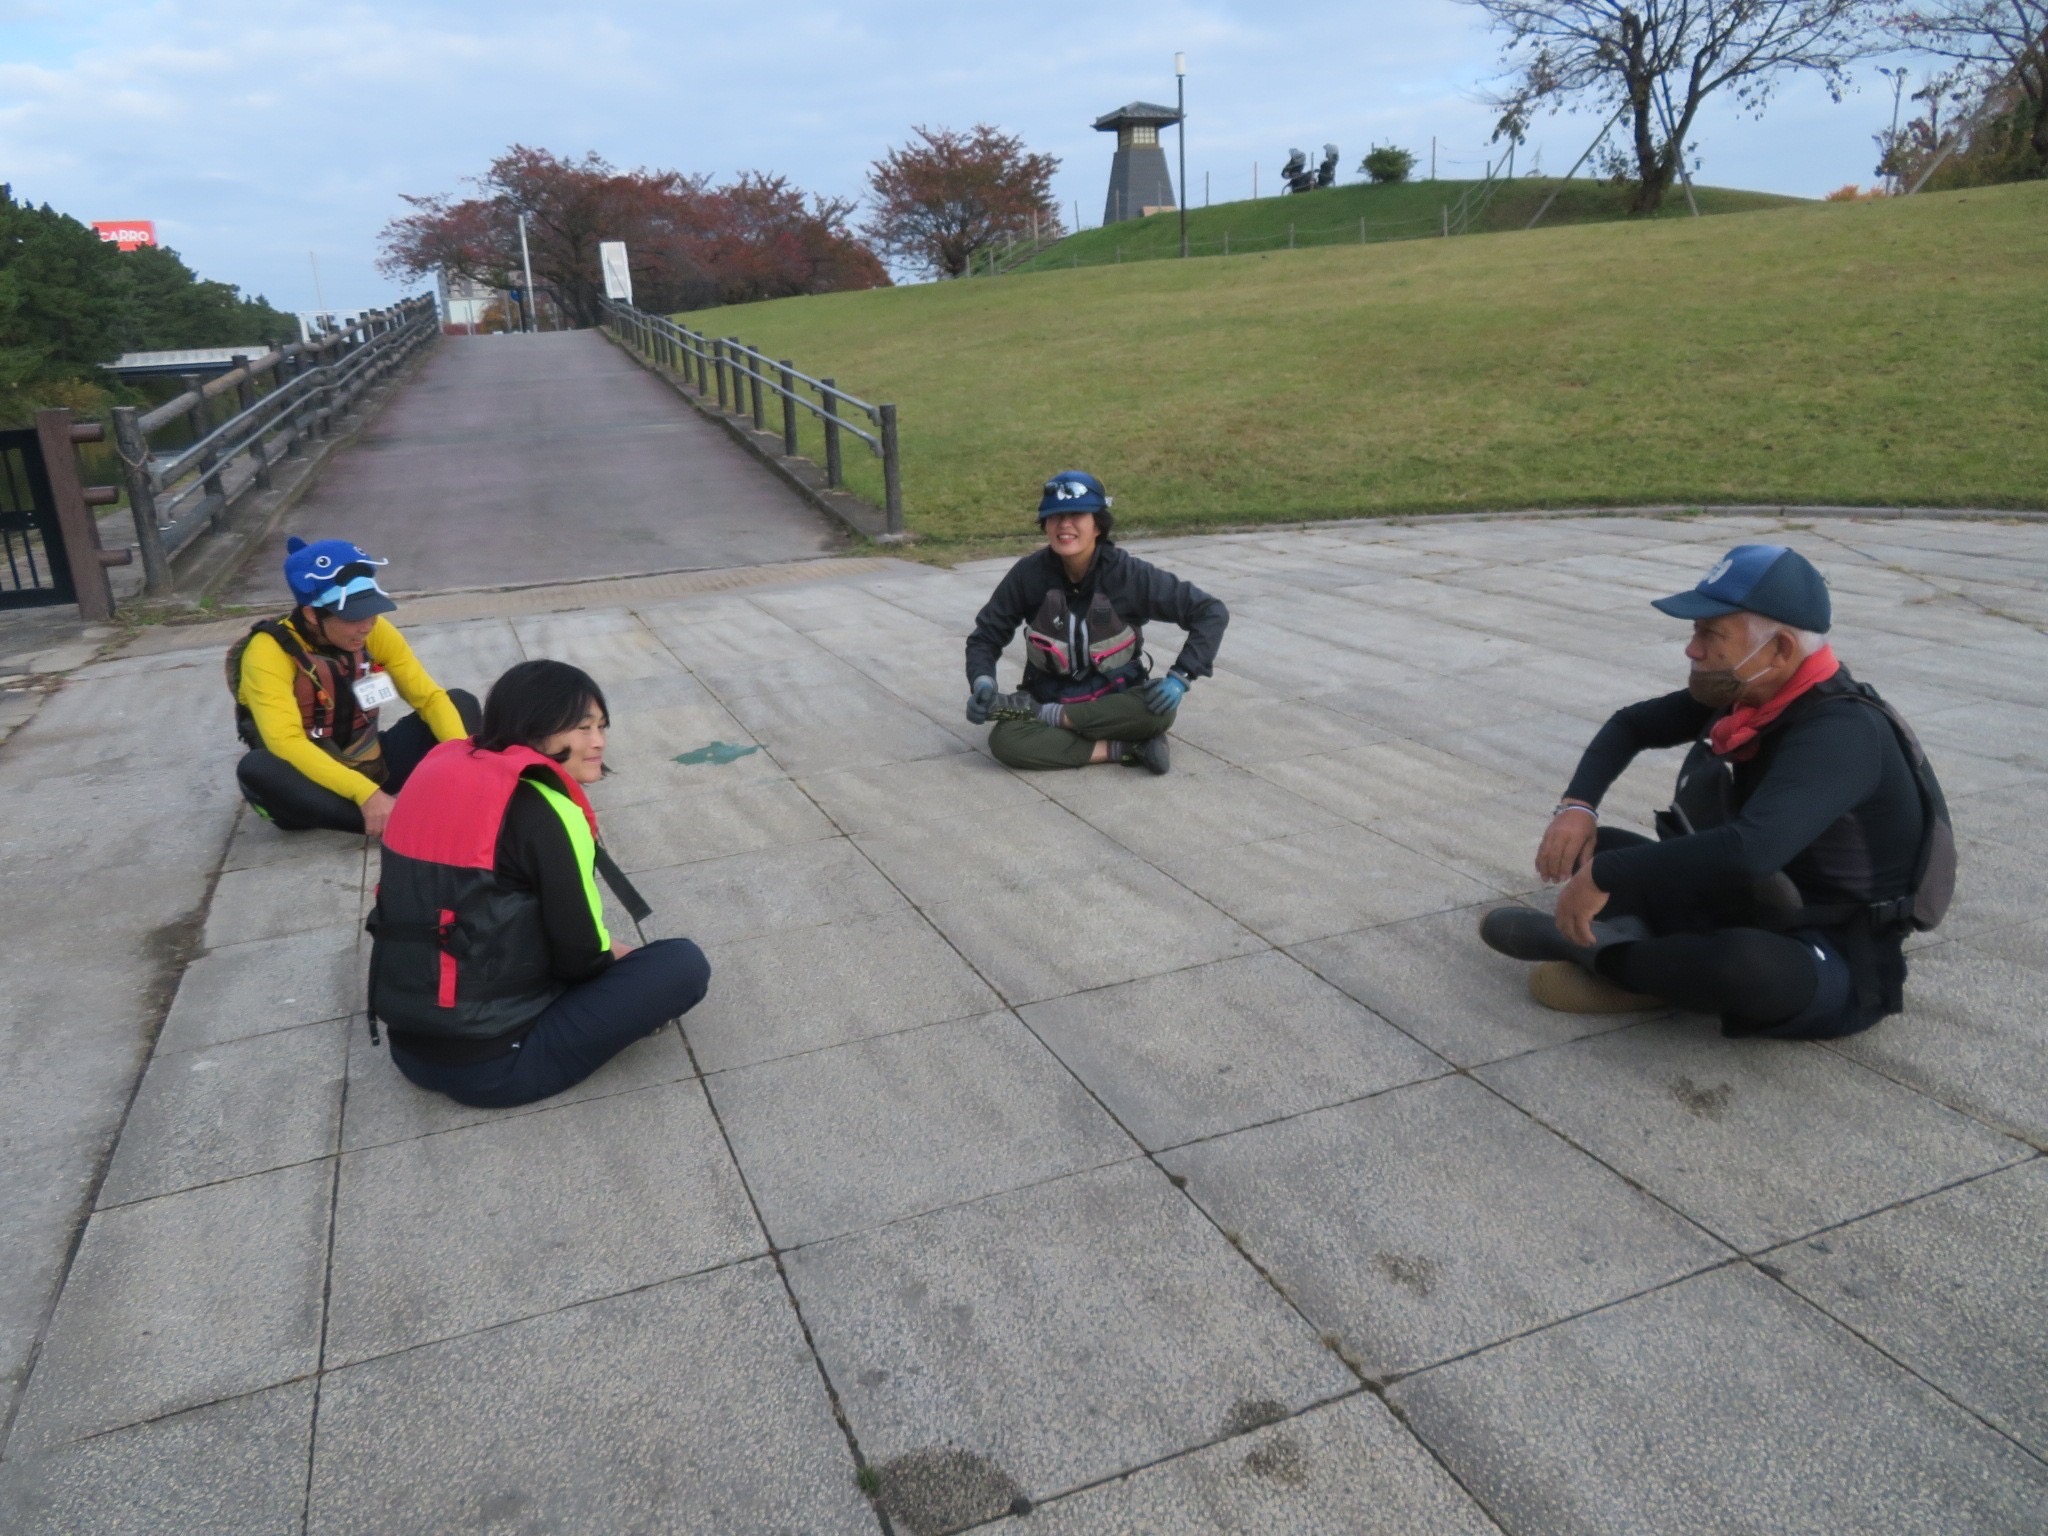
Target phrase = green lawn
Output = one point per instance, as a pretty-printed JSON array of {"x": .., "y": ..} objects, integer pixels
[
  {"x": 1364, "y": 214},
  {"x": 1872, "y": 353}
]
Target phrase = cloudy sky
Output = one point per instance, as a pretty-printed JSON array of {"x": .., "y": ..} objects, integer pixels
[{"x": 253, "y": 133}]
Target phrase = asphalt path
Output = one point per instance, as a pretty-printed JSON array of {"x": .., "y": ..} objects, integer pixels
[{"x": 520, "y": 460}]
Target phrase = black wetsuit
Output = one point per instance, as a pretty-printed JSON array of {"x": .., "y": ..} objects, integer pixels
[{"x": 1828, "y": 800}]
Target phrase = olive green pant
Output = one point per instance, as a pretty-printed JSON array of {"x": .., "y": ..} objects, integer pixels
[{"x": 1114, "y": 717}]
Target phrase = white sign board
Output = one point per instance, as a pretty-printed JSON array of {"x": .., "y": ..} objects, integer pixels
[{"x": 618, "y": 277}]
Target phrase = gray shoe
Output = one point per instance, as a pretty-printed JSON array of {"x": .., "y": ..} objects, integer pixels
[
  {"x": 1149, "y": 754},
  {"x": 1521, "y": 934}
]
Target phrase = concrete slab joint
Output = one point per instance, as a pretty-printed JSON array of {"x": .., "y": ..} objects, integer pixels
[{"x": 1105, "y": 1152}]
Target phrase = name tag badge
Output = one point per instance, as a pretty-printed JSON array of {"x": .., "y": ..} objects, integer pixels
[{"x": 375, "y": 690}]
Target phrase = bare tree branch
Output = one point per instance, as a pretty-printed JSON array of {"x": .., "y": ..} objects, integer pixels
[{"x": 1657, "y": 61}]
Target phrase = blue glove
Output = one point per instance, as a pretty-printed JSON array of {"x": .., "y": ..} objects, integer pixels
[
  {"x": 978, "y": 701},
  {"x": 1163, "y": 694}
]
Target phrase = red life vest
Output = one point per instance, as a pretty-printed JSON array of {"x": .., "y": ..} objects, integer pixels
[{"x": 455, "y": 951}]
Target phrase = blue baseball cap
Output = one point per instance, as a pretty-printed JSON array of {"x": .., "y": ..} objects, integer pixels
[
  {"x": 1766, "y": 579},
  {"x": 1073, "y": 490},
  {"x": 335, "y": 577}
]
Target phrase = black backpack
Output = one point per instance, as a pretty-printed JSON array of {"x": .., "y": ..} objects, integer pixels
[{"x": 1923, "y": 907}]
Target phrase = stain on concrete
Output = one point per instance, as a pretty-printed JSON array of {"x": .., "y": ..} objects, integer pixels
[
  {"x": 1252, "y": 1413},
  {"x": 168, "y": 950},
  {"x": 943, "y": 1488},
  {"x": 1278, "y": 1460},
  {"x": 1412, "y": 1272},
  {"x": 716, "y": 753},
  {"x": 1705, "y": 1103}
]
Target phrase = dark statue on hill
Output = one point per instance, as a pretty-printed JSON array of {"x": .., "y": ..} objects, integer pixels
[{"x": 1300, "y": 178}]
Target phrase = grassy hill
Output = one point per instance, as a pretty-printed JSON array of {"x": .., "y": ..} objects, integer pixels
[
  {"x": 1877, "y": 353},
  {"x": 1364, "y": 214}
]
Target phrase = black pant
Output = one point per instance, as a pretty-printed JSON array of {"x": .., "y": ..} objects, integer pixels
[
  {"x": 294, "y": 803},
  {"x": 582, "y": 1029},
  {"x": 1705, "y": 959}
]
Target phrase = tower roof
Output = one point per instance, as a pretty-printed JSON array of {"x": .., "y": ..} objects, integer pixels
[{"x": 1136, "y": 112}]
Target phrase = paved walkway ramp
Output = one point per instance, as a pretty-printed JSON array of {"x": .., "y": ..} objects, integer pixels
[
  {"x": 1165, "y": 1154},
  {"x": 520, "y": 460}
]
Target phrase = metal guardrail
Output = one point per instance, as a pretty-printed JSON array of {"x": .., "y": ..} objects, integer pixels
[
  {"x": 178, "y": 493},
  {"x": 747, "y": 377}
]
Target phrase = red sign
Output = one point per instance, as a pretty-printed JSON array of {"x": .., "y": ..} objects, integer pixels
[{"x": 127, "y": 233}]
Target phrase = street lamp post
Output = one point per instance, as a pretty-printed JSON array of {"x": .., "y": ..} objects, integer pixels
[
  {"x": 1180, "y": 102},
  {"x": 526, "y": 260}
]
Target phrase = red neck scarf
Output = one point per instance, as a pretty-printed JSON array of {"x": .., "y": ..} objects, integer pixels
[{"x": 1735, "y": 733}]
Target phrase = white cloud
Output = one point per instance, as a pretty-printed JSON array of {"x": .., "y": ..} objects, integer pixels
[{"x": 254, "y": 132}]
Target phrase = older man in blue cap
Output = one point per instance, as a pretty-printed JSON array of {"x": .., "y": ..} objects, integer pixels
[{"x": 1807, "y": 839}]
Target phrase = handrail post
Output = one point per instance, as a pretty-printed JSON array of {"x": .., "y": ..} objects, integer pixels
[
  {"x": 718, "y": 357},
  {"x": 208, "y": 468},
  {"x": 833, "y": 467},
  {"x": 754, "y": 387},
  {"x": 245, "y": 397},
  {"x": 739, "y": 388},
  {"x": 789, "y": 444},
  {"x": 892, "y": 472},
  {"x": 703, "y": 364},
  {"x": 133, "y": 450},
  {"x": 59, "y": 437}
]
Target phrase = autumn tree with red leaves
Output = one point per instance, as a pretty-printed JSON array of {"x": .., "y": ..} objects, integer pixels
[
  {"x": 946, "y": 196},
  {"x": 691, "y": 244}
]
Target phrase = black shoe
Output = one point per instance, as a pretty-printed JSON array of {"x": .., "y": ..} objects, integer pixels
[
  {"x": 1149, "y": 754},
  {"x": 1013, "y": 706},
  {"x": 1521, "y": 934}
]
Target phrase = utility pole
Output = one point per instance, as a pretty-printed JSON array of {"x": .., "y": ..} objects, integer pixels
[
  {"x": 319, "y": 297},
  {"x": 1180, "y": 102},
  {"x": 526, "y": 260}
]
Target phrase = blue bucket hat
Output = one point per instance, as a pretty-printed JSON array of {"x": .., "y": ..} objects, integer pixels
[
  {"x": 1766, "y": 579},
  {"x": 335, "y": 577}
]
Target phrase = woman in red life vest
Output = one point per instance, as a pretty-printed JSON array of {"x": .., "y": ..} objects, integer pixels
[{"x": 490, "y": 964}]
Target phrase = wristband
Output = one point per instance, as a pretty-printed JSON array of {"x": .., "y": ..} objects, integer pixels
[{"x": 1564, "y": 806}]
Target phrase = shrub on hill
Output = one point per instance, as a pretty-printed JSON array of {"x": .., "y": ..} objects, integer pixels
[{"x": 1386, "y": 163}]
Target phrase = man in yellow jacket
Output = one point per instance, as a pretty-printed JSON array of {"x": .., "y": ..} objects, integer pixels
[{"x": 308, "y": 689}]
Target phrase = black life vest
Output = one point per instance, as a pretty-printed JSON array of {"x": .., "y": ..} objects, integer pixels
[
  {"x": 1071, "y": 657},
  {"x": 456, "y": 952},
  {"x": 1706, "y": 798},
  {"x": 325, "y": 687}
]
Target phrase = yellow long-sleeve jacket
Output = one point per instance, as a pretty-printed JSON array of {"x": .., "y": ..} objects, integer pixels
[{"x": 269, "y": 692}]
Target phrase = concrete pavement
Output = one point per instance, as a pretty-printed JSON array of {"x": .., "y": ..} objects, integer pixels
[
  {"x": 1157, "y": 1155},
  {"x": 518, "y": 460}
]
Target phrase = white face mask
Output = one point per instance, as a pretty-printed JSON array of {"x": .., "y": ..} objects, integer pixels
[{"x": 1719, "y": 687}]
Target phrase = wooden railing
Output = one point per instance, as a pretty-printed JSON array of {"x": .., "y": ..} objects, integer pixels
[
  {"x": 735, "y": 371},
  {"x": 176, "y": 493}
]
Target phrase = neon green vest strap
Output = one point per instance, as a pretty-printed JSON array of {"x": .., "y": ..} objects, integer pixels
[{"x": 577, "y": 825}]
